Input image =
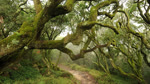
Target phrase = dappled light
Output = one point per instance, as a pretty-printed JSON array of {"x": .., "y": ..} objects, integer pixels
[{"x": 74, "y": 42}]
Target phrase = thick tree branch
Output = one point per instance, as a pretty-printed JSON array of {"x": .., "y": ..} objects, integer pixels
[
  {"x": 82, "y": 52},
  {"x": 27, "y": 31},
  {"x": 89, "y": 24},
  {"x": 59, "y": 44},
  {"x": 94, "y": 9},
  {"x": 47, "y": 44},
  {"x": 27, "y": 34},
  {"x": 37, "y": 6},
  {"x": 97, "y": 46},
  {"x": 83, "y": 26},
  {"x": 130, "y": 30},
  {"x": 30, "y": 31}
]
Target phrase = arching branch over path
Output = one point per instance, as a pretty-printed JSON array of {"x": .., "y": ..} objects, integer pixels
[{"x": 27, "y": 37}]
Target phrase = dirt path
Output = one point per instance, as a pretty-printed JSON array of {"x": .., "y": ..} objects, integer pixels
[{"x": 83, "y": 77}]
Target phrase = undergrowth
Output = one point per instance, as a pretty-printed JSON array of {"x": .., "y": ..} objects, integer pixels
[
  {"x": 102, "y": 78},
  {"x": 25, "y": 73}
]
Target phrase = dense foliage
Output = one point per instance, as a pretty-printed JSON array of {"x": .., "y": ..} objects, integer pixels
[{"x": 116, "y": 33}]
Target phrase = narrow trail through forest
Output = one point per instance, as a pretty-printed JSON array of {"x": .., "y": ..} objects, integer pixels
[{"x": 83, "y": 77}]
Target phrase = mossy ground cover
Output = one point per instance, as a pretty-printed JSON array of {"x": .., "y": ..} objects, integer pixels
[
  {"x": 48, "y": 80},
  {"x": 102, "y": 78},
  {"x": 34, "y": 77},
  {"x": 24, "y": 73}
]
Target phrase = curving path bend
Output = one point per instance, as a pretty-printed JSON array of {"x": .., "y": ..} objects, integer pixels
[{"x": 83, "y": 77}]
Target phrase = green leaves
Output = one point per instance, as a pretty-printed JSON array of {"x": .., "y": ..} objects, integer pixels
[
  {"x": 15, "y": 41},
  {"x": 26, "y": 47}
]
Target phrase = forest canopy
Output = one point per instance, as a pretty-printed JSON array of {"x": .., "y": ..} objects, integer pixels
[{"x": 110, "y": 28}]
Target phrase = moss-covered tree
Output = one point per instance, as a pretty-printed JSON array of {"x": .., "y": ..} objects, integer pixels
[{"x": 13, "y": 47}]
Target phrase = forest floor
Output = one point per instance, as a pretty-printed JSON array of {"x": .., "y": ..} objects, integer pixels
[{"x": 83, "y": 77}]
